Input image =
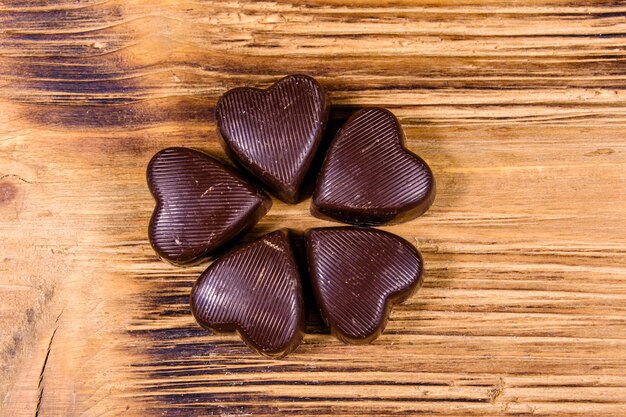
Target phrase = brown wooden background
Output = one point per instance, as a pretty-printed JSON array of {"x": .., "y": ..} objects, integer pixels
[{"x": 518, "y": 106}]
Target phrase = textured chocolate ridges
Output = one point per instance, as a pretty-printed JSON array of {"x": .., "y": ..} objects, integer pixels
[
  {"x": 255, "y": 290},
  {"x": 201, "y": 205},
  {"x": 368, "y": 177},
  {"x": 357, "y": 275},
  {"x": 274, "y": 133}
]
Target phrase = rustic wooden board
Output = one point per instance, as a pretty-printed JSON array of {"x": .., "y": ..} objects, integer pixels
[{"x": 519, "y": 107}]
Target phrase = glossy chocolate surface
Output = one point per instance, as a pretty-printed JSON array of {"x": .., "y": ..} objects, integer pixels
[
  {"x": 357, "y": 275},
  {"x": 274, "y": 133},
  {"x": 201, "y": 205},
  {"x": 368, "y": 177},
  {"x": 255, "y": 290}
]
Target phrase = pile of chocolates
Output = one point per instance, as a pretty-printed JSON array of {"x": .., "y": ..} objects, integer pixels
[{"x": 368, "y": 178}]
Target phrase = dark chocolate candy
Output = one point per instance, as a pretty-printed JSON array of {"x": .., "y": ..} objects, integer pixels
[
  {"x": 201, "y": 205},
  {"x": 357, "y": 275},
  {"x": 255, "y": 290},
  {"x": 274, "y": 133},
  {"x": 368, "y": 177}
]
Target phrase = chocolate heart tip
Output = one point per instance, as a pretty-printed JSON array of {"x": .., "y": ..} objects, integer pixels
[
  {"x": 369, "y": 177},
  {"x": 201, "y": 205},
  {"x": 255, "y": 290},
  {"x": 358, "y": 275},
  {"x": 274, "y": 133}
]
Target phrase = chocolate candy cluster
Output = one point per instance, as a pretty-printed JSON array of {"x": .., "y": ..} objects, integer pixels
[{"x": 367, "y": 178}]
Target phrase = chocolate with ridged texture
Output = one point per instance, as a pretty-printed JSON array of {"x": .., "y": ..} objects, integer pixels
[
  {"x": 274, "y": 133},
  {"x": 201, "y": 205},
  {"x": 357, "y": 275},
  {"x": 255, "y": 290},
  {"x": 368, "y": 177}
]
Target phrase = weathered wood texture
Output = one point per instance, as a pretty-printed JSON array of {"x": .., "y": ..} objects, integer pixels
[{"x": 519, "y": 107}]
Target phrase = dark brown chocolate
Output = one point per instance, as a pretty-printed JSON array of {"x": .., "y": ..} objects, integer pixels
[
  {"x": 201, "y": 205},
  {"x": 368, "y": 177},
  {"x": 256, "y": 291},
  {"x": 274, "y": 133},
  {"x": 357, "y": 275}
]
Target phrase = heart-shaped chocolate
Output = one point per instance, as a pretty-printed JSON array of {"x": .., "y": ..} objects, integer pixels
[
  {"x": 357, "y": 275},
  {"x": 368, "y": 177},
  {"x": 255, "y": 290},
  {"x": 201, "y": 205},
  {"x": 274, "y": 133}
]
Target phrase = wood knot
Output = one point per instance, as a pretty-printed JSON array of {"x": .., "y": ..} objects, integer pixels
[{"x": 8, "y": 192}]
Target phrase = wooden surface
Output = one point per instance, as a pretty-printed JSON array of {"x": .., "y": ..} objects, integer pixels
[{"x": 519, "y": 107}]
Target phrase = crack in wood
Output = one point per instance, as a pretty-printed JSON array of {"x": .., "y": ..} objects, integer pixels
[
  {"x": 15, "y": 176},
  {"x": 43, "y": 367},
  {"x": 497, "y": 390}
]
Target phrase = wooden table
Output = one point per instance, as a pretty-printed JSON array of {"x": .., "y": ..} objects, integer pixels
[{"x": 519, "y": 108}]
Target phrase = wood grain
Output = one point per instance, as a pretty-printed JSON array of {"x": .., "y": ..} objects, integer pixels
[{"x": 519, "y": 107}]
